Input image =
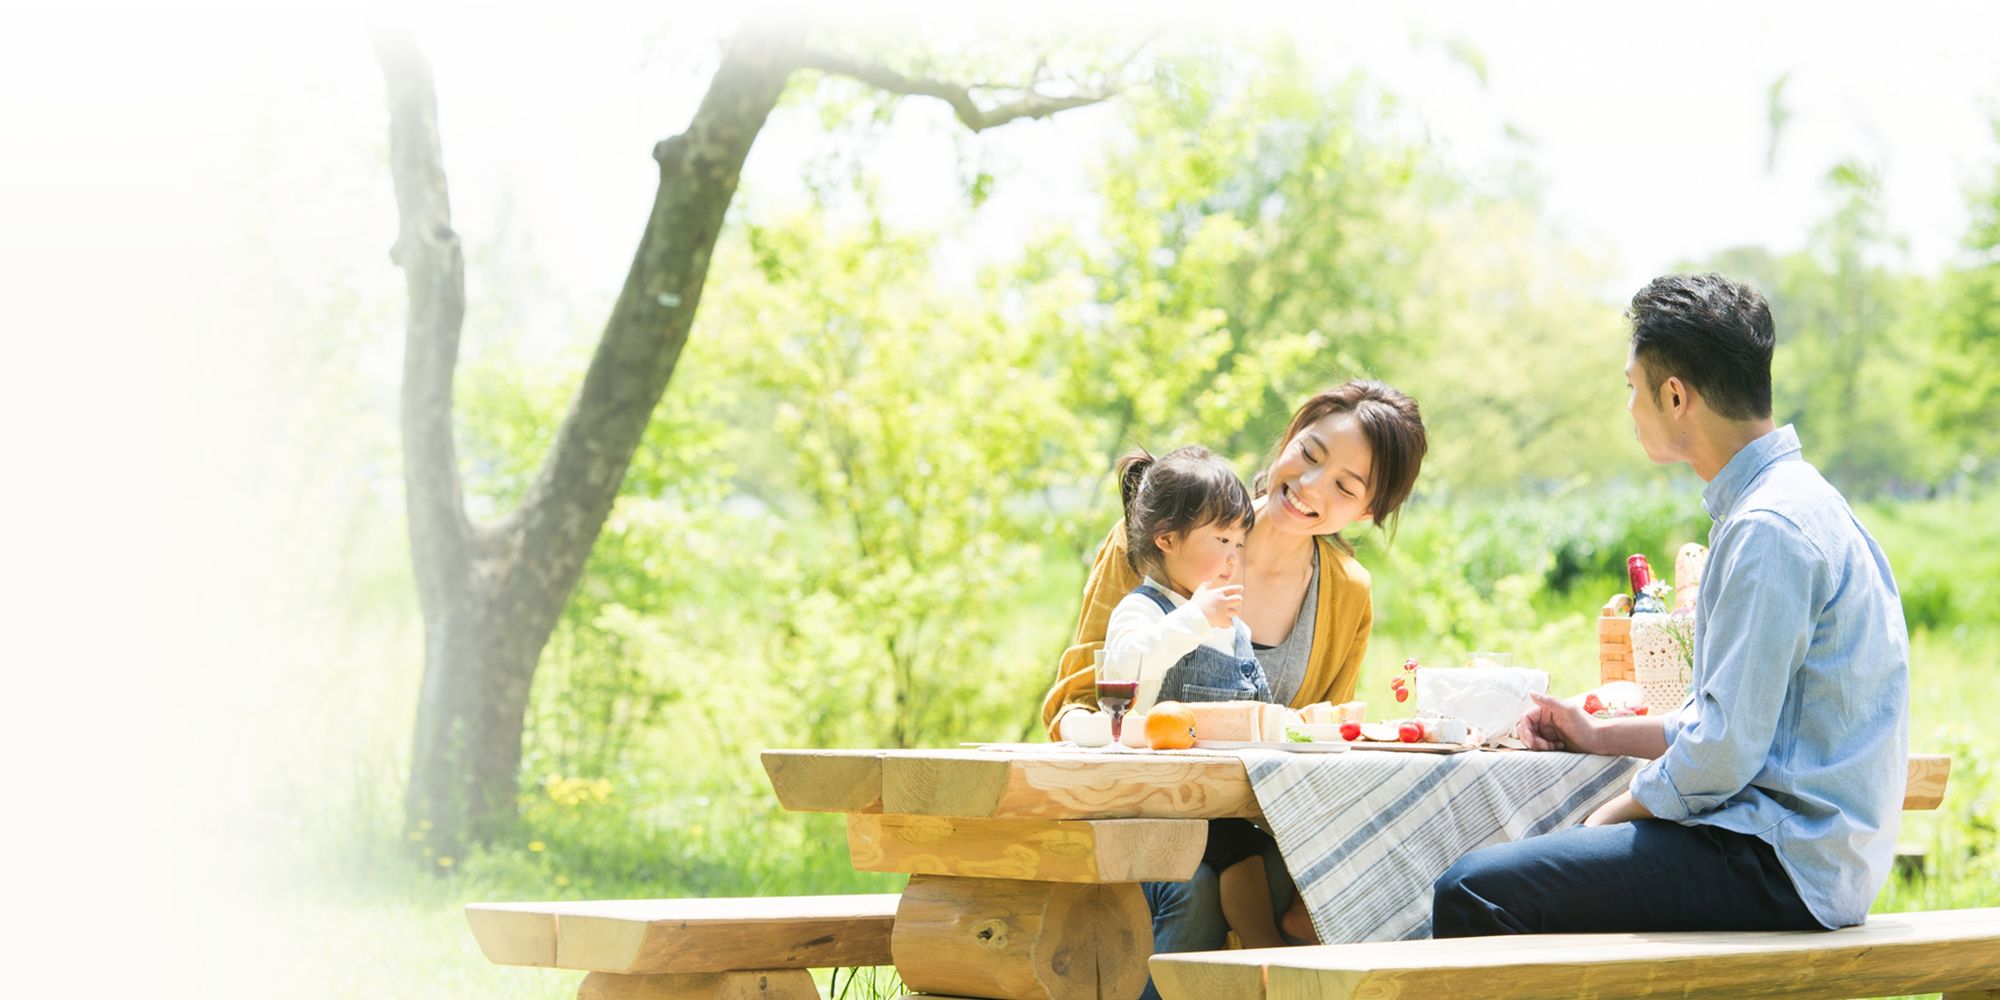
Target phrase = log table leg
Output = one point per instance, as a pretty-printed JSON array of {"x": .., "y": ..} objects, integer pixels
[
  {"x": 773, "y": 984},
  {"x": 1009, "y": 939}
]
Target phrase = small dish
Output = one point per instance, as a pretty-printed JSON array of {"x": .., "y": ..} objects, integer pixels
[{"x": 1319, "y": 731}]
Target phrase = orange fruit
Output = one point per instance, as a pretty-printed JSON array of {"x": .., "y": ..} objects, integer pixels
[{"x": 1170, "y": 726}]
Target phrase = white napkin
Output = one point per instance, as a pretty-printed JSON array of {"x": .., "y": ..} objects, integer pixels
[{"x": 1490, "y": 699}]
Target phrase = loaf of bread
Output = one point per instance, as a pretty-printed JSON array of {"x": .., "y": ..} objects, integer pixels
[{"x": 1238, "y": 721}]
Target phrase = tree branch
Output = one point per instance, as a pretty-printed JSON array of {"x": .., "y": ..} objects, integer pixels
[
  {"x": 959, "y": 96},
  {"x": 433, "y": 266}
]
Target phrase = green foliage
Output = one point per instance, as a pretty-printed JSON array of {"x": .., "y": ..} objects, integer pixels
[
  {"x": 1515, "y": 360},
  {"x": 1854, "y": 344},
  {"x": 1249, "y": 251},
  {"x": 1963, "y": 389},
  {"x": 916, "y": 454}
]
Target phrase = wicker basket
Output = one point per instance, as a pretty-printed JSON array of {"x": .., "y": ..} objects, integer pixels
[{"x": 1614, "y": 650}]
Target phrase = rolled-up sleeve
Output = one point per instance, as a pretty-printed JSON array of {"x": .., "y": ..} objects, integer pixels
[
  {"x": 1755, "y": 626},
  {"x": 1138, "y": 625}
]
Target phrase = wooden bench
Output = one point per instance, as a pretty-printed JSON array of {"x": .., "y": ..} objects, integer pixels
[
  {"x": 1956, "y": 952},
  {"x": 691, "y": 949}
]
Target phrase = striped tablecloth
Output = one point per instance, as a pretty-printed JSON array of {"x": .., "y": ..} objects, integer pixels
[{"x": 1366, "y": 833}]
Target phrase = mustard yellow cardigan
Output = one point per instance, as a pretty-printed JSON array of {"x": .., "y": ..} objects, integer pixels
[{"x": 1340, "y": 630}]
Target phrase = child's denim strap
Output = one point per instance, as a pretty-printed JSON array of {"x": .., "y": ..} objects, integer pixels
[{"x": 1166, "y": 606}]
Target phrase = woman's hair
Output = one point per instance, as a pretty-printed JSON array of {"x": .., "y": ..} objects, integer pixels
[
  {"x": 1394, "y": 428},
  {"x": 1173, "y": 495}
]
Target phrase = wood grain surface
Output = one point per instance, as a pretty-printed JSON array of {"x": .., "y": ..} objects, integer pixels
[
  {"x": 986, "y": 784},
  {"x": 1950, "y": 951},
  {"x": 991, "y": 785},
  {"x": 1127, "y": 850},
  {"x": 1019, "y": 940},
  {"x": 847, "y": 781},
  {"x": 776, "y": 984},
  {"x": 689, "y": 935}
]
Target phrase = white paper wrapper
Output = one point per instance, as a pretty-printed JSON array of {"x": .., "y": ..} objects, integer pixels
[{"x": 1490, "y": 699}]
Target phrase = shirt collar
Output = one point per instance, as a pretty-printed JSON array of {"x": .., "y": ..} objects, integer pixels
[
  {"x": 1729, "y": 485},
  {"x": 1164, "y": 589}
]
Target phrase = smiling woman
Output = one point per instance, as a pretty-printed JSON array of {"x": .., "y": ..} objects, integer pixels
[{"x": 1350, "y": 453}]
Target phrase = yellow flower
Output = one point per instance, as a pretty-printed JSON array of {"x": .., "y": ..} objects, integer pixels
[
  {"x": 562, "y": 879},
  {"x": 425, "y": 825},
  {"x": 536, "y": 845},
  {"x": 416, "y": 835},
  {"x": 445, "y": 862}
]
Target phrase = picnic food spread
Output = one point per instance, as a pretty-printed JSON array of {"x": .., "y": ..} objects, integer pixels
[{"x": 1474, "y": 705}]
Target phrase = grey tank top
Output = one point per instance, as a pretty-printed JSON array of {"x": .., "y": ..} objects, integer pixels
[{"x": 1285, "y": 663}]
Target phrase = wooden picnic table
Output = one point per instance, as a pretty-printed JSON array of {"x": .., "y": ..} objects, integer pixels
[
  {"x": 1024, "y": 879},
  {"x": 1024, "y": 863}
]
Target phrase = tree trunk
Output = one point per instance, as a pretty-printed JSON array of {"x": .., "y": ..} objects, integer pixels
[{"x": 491, "y": 593}]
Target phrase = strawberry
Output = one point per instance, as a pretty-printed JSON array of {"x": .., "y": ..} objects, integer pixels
[
  {"x": 1410, "y": 732},
  {"x": 1592, "y": 704},
  {"x": 1641, "y": 710},
  {"x": 1350, "y": 731}
]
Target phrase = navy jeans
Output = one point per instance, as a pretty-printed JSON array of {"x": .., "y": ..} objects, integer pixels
[
  {"x": 1187, "y": 916},
  {"x": 1651, "y": 875}
]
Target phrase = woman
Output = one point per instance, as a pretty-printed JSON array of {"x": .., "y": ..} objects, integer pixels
[{"x": 1350, "y": 453}]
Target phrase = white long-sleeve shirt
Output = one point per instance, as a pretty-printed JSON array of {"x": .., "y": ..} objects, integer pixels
[{"x": 1161, "y": 638}]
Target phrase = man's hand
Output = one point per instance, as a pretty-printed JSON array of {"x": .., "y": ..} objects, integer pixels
[
  {"x": 1218, "y": 604},
  {"x": 1554, "y": 724},
  {"x": 1623, "y": 809}
]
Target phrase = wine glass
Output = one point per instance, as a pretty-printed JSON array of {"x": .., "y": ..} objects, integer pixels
[{"x": 1117, "y": 685}]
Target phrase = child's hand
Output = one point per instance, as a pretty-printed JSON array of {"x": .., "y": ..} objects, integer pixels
[{"x": 1218, "y": 604}]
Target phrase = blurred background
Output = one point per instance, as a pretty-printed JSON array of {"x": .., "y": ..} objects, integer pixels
[{"x": 863, "y": 510}]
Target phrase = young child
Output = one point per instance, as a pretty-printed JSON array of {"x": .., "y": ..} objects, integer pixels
[{"x": 1186, "y": 515}]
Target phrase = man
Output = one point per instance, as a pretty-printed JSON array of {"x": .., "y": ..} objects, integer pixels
[{"x": 1772, "y": 795}]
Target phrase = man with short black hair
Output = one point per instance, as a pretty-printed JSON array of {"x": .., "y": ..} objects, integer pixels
[{"x": 1772, "y": 796}]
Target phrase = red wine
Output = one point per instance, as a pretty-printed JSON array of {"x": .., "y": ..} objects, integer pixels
[{"x": 1115, "y": 697}]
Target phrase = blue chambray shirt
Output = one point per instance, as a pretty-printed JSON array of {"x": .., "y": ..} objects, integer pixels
[{"x": 1797, "y": 728}]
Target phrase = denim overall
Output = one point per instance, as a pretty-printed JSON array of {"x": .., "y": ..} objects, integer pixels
[{"x": 1208, "y": 674}]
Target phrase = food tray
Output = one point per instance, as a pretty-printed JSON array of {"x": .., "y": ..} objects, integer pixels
[
  {"x": 1317, "y": 746},
  {"x": 1413, "y": 747}
]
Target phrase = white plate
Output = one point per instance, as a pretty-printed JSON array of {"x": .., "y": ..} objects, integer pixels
[
  {"x": 1324, "y": 732},
  {"x": 1317, "y": 746}
]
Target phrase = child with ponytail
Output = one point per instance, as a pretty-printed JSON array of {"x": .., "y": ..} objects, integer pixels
[{"x": 1187, "y": 516}]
